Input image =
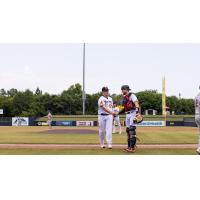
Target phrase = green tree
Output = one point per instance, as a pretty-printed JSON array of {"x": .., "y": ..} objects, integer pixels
[
  {"x": 38, "y": 91},
  {"x": 3, "y": 92},
  {"x": 71, "y": 100},
  {"x": 150, "y": 99},
  {"x": 12, "y": 92},
  {"x": 27, "y": 103}
]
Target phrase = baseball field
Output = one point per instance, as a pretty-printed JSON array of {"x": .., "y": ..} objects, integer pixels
[{"x": 84, "y": 141}]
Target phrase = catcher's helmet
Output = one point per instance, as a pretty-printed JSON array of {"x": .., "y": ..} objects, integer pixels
[{"x": 125, "y": 87}]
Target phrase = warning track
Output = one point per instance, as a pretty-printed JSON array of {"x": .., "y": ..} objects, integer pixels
[{"x": 94, "y": 146}]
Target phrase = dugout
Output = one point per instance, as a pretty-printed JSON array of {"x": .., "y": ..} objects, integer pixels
[{"x": 151, "y": 112}]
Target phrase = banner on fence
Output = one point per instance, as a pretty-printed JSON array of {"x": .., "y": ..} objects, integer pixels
[
  {"x": 175, "y": 123},
  {"x": 20, "y": 121},
  {"x": 65, "y": 123},
  {"x": 85, "y": 123},
  {"x": 152, "y": 123},
  {"x": 42, "y": 123}
]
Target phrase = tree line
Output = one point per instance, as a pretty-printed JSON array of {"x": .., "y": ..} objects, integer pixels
[{"x": 69, "y": 102}]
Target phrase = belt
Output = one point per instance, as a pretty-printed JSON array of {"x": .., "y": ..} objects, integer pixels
[
  {"x": 104, "y": 114},
  {"x": 129, "y": 112}
]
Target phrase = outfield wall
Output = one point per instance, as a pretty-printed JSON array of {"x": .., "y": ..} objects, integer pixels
[
  {"x": 17, "y": 121},
  {"x": 89, "y": 122}
]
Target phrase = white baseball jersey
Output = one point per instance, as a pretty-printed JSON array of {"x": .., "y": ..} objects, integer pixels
[
  {"x": 133, "y": 98},
  {"x": 116, "y": 110},
  {"x": 107, "y": 102},
  {"x": 49, "y": 116},
  {"x": 197, "y": 104},
  {"x": 130, "y": 117},
  {"x": 105, "y": 121},
  {"x": 197, "y": 112}
]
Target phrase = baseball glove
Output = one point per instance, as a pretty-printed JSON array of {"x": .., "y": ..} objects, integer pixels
[{"x": 138, "y": 119}]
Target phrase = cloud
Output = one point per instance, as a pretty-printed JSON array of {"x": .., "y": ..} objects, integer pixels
[
  {"x": 22, "y": 79},
  {"x": 25, "y": 75},
  {"x": 28, "y": 71}
]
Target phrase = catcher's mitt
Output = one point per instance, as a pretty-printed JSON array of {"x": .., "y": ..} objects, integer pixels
[{"x": 138, "y": 119}]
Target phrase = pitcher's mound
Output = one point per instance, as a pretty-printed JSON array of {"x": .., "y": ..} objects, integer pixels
[{"x": 70, "y": 131}]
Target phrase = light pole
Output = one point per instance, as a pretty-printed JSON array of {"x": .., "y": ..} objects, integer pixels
[{"x": 84, "y": 95}]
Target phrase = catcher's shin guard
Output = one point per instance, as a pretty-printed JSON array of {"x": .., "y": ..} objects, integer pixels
[
  {"x": 128, "y": 137},
  {"x": 133, "y": 139}
]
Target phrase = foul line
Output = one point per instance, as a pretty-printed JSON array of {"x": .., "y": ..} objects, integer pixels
[{"x": 90, "y": 146}]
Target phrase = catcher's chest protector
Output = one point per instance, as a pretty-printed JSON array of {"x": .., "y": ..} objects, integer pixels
[{"x": 128, "y": 104}]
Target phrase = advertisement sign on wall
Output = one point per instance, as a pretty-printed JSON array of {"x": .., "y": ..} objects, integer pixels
[
  {"x": 65, "y": 123},
  {"x": 152, "y": 123},
  {"x": 20, "y": 121},
  {"x": 42, "y": 124},
  {"x": 1, "y": 111},
  {"x": 84, "y": 123},
  {"x": 175, "y": 123}
]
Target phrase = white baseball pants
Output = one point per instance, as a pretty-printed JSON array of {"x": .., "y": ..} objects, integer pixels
[
  {"x": 130, "y": 119},
  {"x": 105, "y": 128},
  {"x": 197, "y": 119},
  {"x": 118, "y": 123}
]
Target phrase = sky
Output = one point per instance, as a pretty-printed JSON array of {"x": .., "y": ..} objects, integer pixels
[{"x": 54, "y": 67}]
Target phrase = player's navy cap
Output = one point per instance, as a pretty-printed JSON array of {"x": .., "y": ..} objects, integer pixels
[
  {"x": 125, "y": 87},
  {"x": 105, "y": 89}
]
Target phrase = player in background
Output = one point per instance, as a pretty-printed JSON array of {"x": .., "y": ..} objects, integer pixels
[
  {"x": 105, "y": 118},
  {"x": 197, "y": 116},
  {"x": 50, "y": 119},
  {"x": 116, "y": 120}
]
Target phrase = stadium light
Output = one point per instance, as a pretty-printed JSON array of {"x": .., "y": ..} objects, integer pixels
[{"x": 84, "y": 95}]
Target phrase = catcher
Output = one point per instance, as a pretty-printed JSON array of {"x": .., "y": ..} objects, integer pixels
[{"x": 131, "y": 108}]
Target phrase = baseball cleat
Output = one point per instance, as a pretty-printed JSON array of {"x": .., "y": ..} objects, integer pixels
[
  {"x": 109, "y": 146},
  {"x": 198, "y": 151},
  {"x": 126, "y": 150},
  {"x": 131, "y": 150},
  {"x": 103, "y": 146},
  {"x": 136, "y": 147}
]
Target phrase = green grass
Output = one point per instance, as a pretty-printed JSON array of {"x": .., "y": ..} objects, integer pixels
[
  {"x": 147, "y": 135},
  {"x": 96, "y": 152},
  {"x": 36, "y": 135},
  {"x": 94, "y": 118}
]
